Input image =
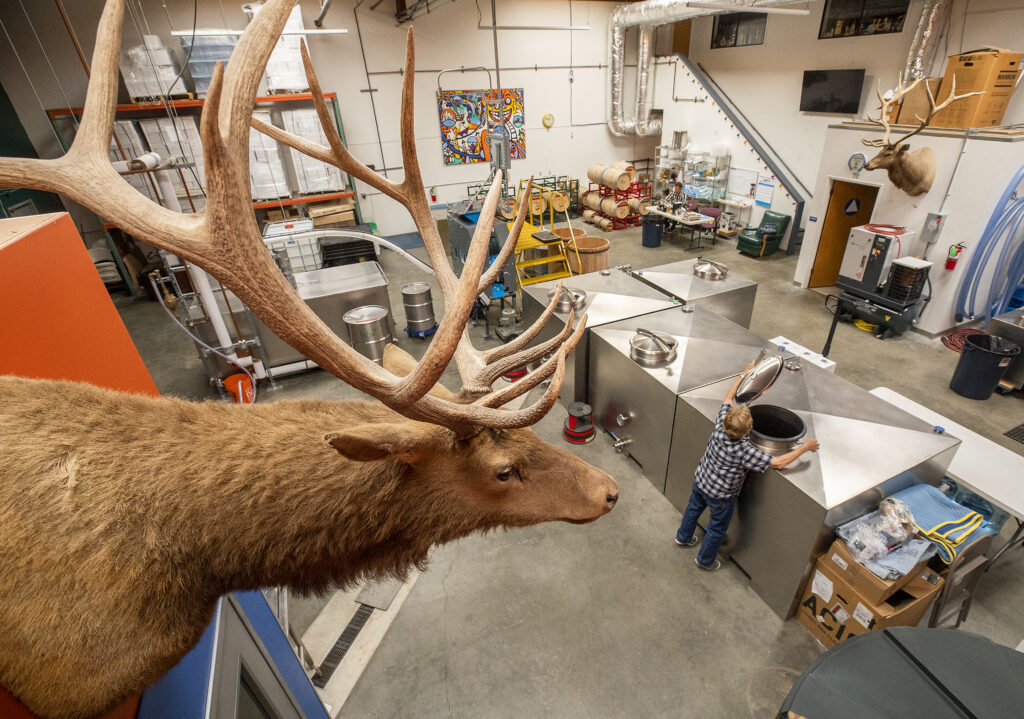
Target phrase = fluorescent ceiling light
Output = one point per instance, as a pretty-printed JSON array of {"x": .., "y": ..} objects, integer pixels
[{"x": 749, "y": 8}]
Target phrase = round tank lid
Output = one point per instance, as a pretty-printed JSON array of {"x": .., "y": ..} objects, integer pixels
[
  {"x": 709, "y": 269},
  {"x": 414, "y": 288},
  {"x": 652, "y": 349},
  {"x": 365, "y": 314},
  {"x": 762, "y": 376},
  {"x": 569, "y": 299}
]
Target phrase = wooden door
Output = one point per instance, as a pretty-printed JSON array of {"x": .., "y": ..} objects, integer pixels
[{"x": 849, "y": 205}]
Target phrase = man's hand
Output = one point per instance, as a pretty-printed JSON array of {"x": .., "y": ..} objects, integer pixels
[
  {"x": 810, "y": 445},
  {"x": 749, "y": 367}
]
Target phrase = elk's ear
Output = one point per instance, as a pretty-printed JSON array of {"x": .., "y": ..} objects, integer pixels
[
  {"x": 370, "y": 442},
  {"x": 904, "y": 148}
]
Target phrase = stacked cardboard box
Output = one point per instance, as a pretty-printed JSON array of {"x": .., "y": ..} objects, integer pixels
[
  {"x": 989, "y": 70},
  {"x": 311, "y": 175},
  {"x": 267, "y": 177},
  {"x": 149, "y": 70},
  {"x": 334, "y": 214},
  {"x": 844, "y": 598},
  {"x": 915, "y": 102}
]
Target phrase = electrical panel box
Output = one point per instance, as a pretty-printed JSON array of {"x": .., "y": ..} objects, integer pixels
[{"x": 933, "y": 227}]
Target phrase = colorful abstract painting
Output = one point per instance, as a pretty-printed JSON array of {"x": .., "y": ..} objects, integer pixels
[{"x": 464, "y": 123}]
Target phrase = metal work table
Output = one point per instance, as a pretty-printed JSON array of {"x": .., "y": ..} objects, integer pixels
[
  {"x": 692, "y": 224},
  {"x": 637, "y": 405},
  {"x": 785, "y": 518},
  {"x": 610, "y": 297},
  {"x": 731, "y": 297},
  {"x": 994, "y": 472}
]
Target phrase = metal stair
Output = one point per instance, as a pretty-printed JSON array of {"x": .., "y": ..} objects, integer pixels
[{"x": 525, "y": 243}]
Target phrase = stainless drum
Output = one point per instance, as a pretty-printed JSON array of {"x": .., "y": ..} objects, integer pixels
[
  {"x": 776, "y": 430},
  {"x": 419, "y": 308},
  {"x": 369, "y": 327}
]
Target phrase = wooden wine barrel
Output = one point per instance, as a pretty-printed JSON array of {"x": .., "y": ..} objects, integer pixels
[
  {"x": 624, "y": 165},
  {"x": 639, "y": 205},
  {"x": 616, "y": 177},
  {"x": 594, "y": 172},
  {"x": 557, "y": 200},
  {"x": 537, "y": 204},
  {"x": 604, "y": 223},
  {"x": 591, "y": 200},
  {"x": 614, "y": 208},
  {"x": 590, "y": 216}
]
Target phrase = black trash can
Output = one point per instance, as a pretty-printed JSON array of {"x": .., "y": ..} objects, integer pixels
[
  {"x": 983, "y": 362},
  {"x": 653, "y": 226}
]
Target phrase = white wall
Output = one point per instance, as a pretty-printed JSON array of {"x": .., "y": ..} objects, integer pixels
[
  {"x": 765, "y": 80},
  {"x": 985, "y": 169},
  {"x": 447, "y": 37}
]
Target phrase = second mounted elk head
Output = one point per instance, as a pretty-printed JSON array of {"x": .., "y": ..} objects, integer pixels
[
  {"x": 124, "y": 518},
  {"x": 912, "y": 172}
]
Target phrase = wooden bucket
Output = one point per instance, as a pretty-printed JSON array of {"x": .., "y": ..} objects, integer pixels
[
  {"x": 557, "y": 200},
  {"x": 614, "y": 208},
  {"x": 593, "y": 255},
  {"x": 567, "y": 234},
  {"x": 624, "y": 165}
]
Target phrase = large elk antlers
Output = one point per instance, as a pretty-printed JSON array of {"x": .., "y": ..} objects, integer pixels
[
  {"x": 225, "y": 240},
  {"x": 887, "y": 103}
]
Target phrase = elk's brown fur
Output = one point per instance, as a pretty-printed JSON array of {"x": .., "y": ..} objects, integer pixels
[{"x": 141, "y": 512}]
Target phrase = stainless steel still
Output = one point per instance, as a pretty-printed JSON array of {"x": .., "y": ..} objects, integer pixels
[
  {"x": 636, "y": 403},
  {"x": 370, "y": 330},
  {"x": 330, "y": 293},
  {"x": 1011, "y": 326},
  {"x": 607, "y": 298},
  {"x": 731, "y": 296},
  {"x": 785, "y": 518},
  {"x": 419, "y": 307}
]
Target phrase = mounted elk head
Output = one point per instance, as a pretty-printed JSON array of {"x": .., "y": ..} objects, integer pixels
[
  {"x": 124, "y": 518},
  {"x": 912, "y": 172}
]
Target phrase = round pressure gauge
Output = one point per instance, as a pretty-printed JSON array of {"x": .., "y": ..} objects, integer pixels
[
  {"x": 548, "y": 120},
  {"x": 856, "y": 162}
]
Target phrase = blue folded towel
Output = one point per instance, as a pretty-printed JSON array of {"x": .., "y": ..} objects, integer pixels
[{"x": 941, "y": 520}]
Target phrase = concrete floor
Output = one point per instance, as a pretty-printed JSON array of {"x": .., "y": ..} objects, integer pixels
[{"x": 613, "y": 619}]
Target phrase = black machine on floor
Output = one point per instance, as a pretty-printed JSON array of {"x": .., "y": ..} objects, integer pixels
[{"x": 878, "y": 289}]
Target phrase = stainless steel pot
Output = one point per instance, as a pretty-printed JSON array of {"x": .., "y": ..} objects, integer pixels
[
  {"x": 652, "y": 349},
  {"x": 776, "y": 429},
  {"x": 710, "y": 270}
]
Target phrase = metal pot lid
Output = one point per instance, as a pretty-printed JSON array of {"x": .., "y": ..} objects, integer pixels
[
  {"x": 569, "y": 299},
  {"x": 652, "y": 349},
  {"x": 762, "y": 376},
  {"x": 709, "y": 269}
]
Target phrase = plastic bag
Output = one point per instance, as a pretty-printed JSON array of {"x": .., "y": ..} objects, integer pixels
[{"x": 882, "y": 531}]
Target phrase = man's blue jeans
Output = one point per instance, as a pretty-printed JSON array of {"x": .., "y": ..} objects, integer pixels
[{"x": 720, "y": 511}]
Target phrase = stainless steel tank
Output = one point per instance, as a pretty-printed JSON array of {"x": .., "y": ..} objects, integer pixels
[
  {"x": 370, "y": 330},
  {"x": 604, "y": 298},
  {"x": 419, "y": 307}
]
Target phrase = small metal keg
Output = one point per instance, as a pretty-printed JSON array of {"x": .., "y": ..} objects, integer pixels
[
  {"x": 369, "y": 328},
  {"x": 419, "y": 308}
]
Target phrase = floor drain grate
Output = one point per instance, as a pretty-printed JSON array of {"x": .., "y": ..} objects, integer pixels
[
  {"x": 341, "y": 647},
  {"x": 1016, "y": 433}
]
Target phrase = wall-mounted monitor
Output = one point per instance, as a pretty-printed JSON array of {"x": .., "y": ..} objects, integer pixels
[{"x": 836, "y": 91}]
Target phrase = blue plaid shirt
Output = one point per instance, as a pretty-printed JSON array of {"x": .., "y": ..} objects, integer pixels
[{"x": 726, "y": 462}]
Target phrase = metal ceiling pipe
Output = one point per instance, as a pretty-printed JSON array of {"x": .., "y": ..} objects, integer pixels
[
  {"x": 649, "y": 16},
  {"x": 934, "y": 17}
]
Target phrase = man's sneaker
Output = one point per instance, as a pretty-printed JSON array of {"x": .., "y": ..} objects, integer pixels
[
  {"x": 692, "y": 542},
  {"x": 713, "y": 567}
]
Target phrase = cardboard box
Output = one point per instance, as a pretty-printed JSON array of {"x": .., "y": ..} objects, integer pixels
[
  {"x": 989, "y": 69},
  {"x": 868, "y": 585},
  {"x": 833, "y": 611},
  {"x": 334, "y": 214},
  {"x": 278, "y": 214},
  {"x": 915, "y": 102}
]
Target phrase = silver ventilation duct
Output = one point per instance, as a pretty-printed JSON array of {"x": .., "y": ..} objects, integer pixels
[
  {"x": 649, "y": 16},
  {"x": 934, "y": 16}
]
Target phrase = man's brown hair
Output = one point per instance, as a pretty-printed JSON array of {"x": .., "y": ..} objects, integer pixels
[{"x": 738, "y": 422}]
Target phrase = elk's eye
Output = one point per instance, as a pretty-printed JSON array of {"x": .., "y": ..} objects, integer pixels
[{"x": 507, "y": 473}]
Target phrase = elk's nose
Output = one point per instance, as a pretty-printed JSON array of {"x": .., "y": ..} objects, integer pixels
[{"x": 611, "y": 499}]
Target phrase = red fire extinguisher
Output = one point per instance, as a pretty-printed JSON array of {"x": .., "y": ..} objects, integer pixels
[
  {"x": 954, "y": 254},
  {"x": 433, "y": 194}
]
